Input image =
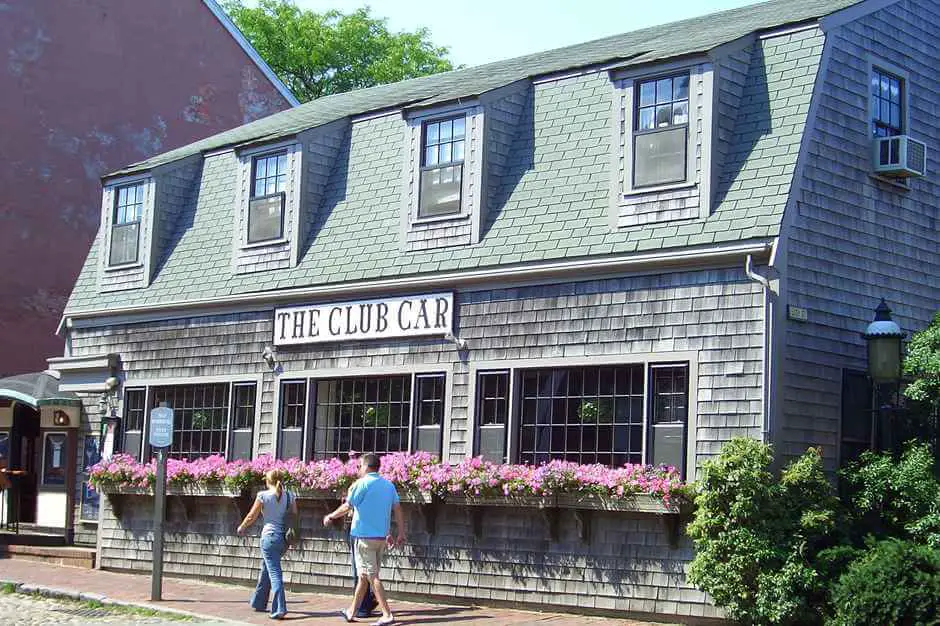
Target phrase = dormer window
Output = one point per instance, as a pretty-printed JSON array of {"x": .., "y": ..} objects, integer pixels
[
  {"x": 266, "y": 206},
  {"x": 125, "y": 227},
  {"x": 442, "y": 162},
  {"x": 661, "y": 136}
]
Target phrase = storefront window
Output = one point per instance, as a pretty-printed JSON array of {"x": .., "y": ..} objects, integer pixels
[
  {"x": 492, "y": 397},
  {"x": 54, "y": 459},
  {"x": 200, "y": 418},
  {"x": 293, "y": 413},
  {"x": 243, "y": 420},
  {"x": 362, "y": 414},
  {"x": 582, "y": 414}
]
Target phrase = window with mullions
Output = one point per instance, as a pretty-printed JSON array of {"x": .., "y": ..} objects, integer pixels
[
  {"x": 125, "y": 225},
  {"x": 362, "y": 414},
  {"x": 266, "y": 206},
  {"x": 661, "y": 131},
  {"x": 293, "y": 414},
  {"x": 442, "y": 166},
  {"x": 243, "y": 421},
  {"x": 429, "y": 412},
  {"x": 886, "y": 104},
  {"x": 134, "y": 401},
  {"x": 200, "y": 418},
  {"x": 492, "y": 394},
  {"x": 582, "y": 414},
  {"x": 669, "y": 414}
]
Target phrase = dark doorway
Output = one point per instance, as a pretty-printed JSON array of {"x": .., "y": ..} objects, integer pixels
[
  {"x": 857, "y": 415},
  {"x": 24, "y": 456}
]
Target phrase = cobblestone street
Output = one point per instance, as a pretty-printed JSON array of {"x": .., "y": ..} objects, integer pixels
[{"x": 23, "y": 610}]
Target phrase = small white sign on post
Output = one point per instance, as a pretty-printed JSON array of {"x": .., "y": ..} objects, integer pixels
[{"x": 161, "y": 427}]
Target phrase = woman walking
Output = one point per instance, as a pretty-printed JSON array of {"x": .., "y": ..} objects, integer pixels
[{"x": 274, "y": 504}]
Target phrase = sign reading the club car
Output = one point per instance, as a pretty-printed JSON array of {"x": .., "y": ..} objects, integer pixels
[{"x": 410, "y": 316}]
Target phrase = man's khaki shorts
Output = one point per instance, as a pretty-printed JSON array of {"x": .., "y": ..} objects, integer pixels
[{"x": 369, "y": 553}]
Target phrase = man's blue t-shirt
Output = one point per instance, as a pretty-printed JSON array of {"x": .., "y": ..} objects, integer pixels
[{"x": 372, "y": 498}]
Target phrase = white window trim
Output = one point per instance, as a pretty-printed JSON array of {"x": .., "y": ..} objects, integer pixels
[
  {"x": 145, "y": 234},
  {"x": 472, "y": 182},
  {"x": 293, "y": 204},
  {"x": 701, "y": 69},
  {"x": 646, "y": 360},
  {"x": 312, "y": 376}
]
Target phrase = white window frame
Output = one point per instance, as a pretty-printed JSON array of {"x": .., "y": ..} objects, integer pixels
[
  {"x": 292, "y": 196},
  {"x": 873, "y": 63}
]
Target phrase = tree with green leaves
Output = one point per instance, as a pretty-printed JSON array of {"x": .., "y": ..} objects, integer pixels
[
  {"x": 319, "y": 54},
  {"x": 922, "y": 366}
]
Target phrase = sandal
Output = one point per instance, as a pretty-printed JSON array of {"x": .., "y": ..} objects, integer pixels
[
  {"x": 385, "y": 621},
  {"x": 349, "y": 619}
]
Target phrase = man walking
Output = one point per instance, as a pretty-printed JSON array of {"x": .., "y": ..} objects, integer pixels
[
  {"x": 372, "y": 499},
  {"x": 368, "y": 604}
]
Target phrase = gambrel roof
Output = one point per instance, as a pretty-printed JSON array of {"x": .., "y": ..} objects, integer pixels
[{"x": 553, "y": 200}]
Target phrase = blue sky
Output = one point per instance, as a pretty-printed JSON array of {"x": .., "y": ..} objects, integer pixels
[{"x": 480, "y": 31}]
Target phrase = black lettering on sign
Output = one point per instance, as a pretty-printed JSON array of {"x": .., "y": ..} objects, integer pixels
[
  {"x": 350, "y": 328},
  {"x": 365, "y": 317},
  {"x": 299, "y": 324},
  {"x": 423, "y": 316},
  {"x": 441, "y": 310},
  {"x": 401, "y": 310},
  {"x": 337, "y": 328},
  {"x": 312, "y": 330},
  {"x": 381, "y": 317},
  {"x": 283, "y": 317}
]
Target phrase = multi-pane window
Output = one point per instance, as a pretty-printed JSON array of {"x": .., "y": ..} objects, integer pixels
[
  {"x": 266, "y": 206},
  {"x": 200, "y": 418},
  {"x": 661, "y": 128},
  {"x": 293, "y": 414},
  {"x": 125, "y": 225},
  {"x": 582, "y": 414},
  {"x": 243, "y": 420},
  {"x": 886, "y": 104},
  {"x": 134, "y": 402},
  {"x": 363, "y": 414},
  {"x": 442, "y": 160},
  {"x": 669, "y": 413},
  {"x": 492, "y": 405},
  {"x": 430, "y": 400}
]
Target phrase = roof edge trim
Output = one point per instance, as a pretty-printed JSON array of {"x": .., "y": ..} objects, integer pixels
[
  {"x": 450, "y": 279},
  {"x": 245, "y": 45}
]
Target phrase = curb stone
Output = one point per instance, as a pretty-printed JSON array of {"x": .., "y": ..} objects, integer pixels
[{"x": 67, "y": 594}]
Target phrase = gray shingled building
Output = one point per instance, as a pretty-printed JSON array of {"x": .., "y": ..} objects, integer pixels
[{"x": 690, "y": 224}]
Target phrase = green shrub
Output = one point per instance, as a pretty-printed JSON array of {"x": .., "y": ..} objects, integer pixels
[
  {"x": 895, "y": 582},
  {"x": 895, "y": 498},
  {"x": 757, "y": 537}
]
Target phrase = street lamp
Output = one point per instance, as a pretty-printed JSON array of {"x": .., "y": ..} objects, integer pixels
[{"x": 884, "y": 339}]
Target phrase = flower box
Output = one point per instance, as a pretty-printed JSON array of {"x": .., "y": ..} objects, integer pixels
[
  {"x": 215, "y": 491},
  {"x": 511, "y": 501},
  {"x": 412, "y": 496},
  {"x": 318, "y": 494},
  {"x": 638, "y": 503}
]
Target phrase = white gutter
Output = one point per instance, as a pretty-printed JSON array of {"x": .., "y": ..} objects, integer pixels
[
  {"x": 588, "y": 268},
  {"x": 768, "y": 340}
]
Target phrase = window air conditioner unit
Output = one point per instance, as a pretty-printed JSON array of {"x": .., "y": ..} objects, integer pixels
[{"x": 899, "y": 157}]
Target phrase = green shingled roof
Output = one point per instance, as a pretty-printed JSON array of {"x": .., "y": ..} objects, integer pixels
[
  {"x": 642, "y": 46},
  {"x": 554, "y": 200}
]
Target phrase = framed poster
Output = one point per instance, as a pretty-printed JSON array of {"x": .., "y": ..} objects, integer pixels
[
  {"x": 54, "y": 459},
  {"x": 91, "y": 452},
  {"x": 91, "y": 500}
]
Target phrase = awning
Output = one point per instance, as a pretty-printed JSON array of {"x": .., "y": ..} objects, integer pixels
[{"x": 37, "y": 389}]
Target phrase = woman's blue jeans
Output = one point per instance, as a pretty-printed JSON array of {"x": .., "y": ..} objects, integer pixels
[{"x": 271, "y": 578}]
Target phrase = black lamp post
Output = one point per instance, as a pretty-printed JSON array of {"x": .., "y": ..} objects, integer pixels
[{"x": 884, "y": 339}]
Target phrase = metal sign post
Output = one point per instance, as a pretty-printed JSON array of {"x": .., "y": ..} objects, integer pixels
[{"x": 161, "y": 436}]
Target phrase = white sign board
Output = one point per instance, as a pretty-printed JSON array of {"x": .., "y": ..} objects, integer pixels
[
  {"x": 161, "y": 427},
  {"x": 412, "y": 316}
]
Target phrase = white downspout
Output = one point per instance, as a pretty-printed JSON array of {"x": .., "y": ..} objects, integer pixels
[{"x": 768, "y": 352}]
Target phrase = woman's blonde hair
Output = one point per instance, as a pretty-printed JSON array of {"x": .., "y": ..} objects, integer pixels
[{"x": 274, "y": 480}]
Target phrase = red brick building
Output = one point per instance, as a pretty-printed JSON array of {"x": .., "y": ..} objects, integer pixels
[{"x": 89, "y": 86}]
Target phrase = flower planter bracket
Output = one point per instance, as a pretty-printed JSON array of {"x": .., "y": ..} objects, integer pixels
[
  {"x": 673, "y": 524},
  {"x": 428, "y": 514},
  {"x": 476, "y": 520},
  {"x": 116, "y": 501},
  {"x": 583, "y": 519},
  {"x": 551, "y": 516}
]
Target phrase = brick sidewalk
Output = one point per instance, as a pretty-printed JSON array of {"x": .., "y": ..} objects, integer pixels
[{"x": 230, "y": 602}]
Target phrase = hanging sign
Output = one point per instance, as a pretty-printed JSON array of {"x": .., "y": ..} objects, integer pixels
[{"x": 412, "y": 316}]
